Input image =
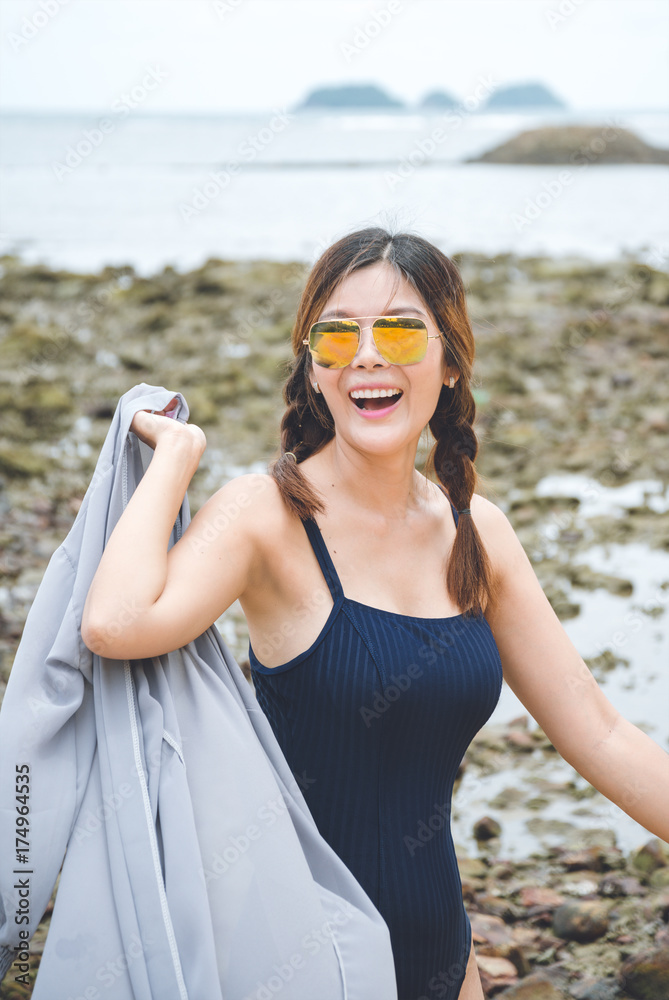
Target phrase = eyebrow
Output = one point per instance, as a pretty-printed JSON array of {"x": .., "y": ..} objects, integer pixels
[{"x": 401, "y": 311}]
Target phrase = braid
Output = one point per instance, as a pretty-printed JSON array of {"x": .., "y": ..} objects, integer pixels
[
  {"x": 306, "y": 426},
  {"x": 468, "y": 574}
]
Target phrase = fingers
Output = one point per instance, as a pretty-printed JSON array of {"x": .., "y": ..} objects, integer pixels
[{"x": 170, "y": 410}]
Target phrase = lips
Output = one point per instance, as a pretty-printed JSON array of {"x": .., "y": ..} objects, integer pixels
[
  {"x": 372, "y": 408},
  {"x": 375, "y": 398}
]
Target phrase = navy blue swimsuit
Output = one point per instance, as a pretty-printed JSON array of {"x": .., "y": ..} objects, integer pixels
[{"x": 374, "y": 719}]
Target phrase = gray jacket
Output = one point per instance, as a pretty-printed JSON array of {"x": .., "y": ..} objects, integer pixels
[{"x": 191, "y": 866}]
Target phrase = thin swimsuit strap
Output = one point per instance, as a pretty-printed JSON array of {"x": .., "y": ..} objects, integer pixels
[{"x": 325, "y": 559}]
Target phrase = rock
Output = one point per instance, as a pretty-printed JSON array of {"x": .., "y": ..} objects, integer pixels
[
  {"x": 538, "y": 986},
  {"x": 621, "y": 885},
  {"x": 659, "y": 879},
  {"x": 602, "y": 989},
  {"x": 574, "y": 145},
  {"x": 497, "y": 906},
  {"x": 486, "y": 828},
  {"x": 652, "y": 855},
  {"x": 646, "y": 976},
  {"x": 490, "y": 929},
  {"x": 509, "y": 950},
  {"x": 471, "y": 868},
  {"x": 519, "y": 740},
  {"x": 539, "y": 895},
  {"x": 501, "y": 870},
  {"x": 596, "y": 859},
  {"x": 495, "y": 972},
  {"x": 581, "y": 920}
]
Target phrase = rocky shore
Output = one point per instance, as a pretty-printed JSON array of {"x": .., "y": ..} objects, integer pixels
[
  {"x": 575, "y": 145},
  {"x": 571, "y": 377},
  {"x": 581, "y": 919}
]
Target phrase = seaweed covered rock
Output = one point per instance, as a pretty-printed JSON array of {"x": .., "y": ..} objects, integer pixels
[{"x": 574, "y": 145}]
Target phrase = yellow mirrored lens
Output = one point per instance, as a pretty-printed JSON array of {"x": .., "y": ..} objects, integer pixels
[
  {"x": 400, "y": 340},
  {"x": 334, "y": 344}
]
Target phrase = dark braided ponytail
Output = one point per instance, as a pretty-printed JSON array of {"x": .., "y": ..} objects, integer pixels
[{"x": 307, "y": 424}]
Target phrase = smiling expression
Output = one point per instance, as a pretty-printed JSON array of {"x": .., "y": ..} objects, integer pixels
[{"x": 404, "y": 397}]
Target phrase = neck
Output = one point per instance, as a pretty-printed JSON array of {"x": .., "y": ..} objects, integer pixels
[{"x": 387, "y": 486}]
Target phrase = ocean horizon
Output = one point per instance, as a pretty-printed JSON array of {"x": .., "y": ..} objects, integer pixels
[{"x": 81, "y": 190}]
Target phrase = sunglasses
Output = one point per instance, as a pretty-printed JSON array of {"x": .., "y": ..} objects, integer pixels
[{"x": 400, "y": 340}]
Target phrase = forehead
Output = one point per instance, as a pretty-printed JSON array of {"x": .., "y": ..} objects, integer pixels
[{"x": 373, "y": 290}]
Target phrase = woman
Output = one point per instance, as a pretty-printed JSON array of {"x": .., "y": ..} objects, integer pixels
[{"x": 382, "y": 608}]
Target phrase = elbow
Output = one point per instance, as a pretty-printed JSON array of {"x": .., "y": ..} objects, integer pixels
[
  {"x": 105, "y": 636},
  {"x": 97, "y": 637}
]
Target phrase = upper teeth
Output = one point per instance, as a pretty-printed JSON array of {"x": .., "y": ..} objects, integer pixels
[{"x": 373, "y": 393}]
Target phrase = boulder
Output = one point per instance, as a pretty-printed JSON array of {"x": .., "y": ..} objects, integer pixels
[
  {"x": 581, "y": 920},
  {"x": 574, "y": 145},
  {"x": 645, "y": 976}
]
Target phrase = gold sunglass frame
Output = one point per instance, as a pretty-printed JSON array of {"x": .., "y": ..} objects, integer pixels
[{"x": 369, "y": 326}]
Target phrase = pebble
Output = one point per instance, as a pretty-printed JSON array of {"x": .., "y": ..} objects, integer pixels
[
  {"x": 539, "y": 895},
  {"x": 581, "y": 920},
  {"x": 486, "y": 828},
  {"x": 495, "y": 972}
]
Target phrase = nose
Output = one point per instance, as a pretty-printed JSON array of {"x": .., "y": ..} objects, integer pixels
[{"x": 367, "y": 355}]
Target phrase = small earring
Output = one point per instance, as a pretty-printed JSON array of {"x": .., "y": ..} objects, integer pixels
[
  {"x": 316, "y": 387},
  {"x": 451, "y": 382}
]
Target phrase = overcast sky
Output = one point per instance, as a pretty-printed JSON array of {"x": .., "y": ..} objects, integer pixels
[{"x": 226, "y": 55}]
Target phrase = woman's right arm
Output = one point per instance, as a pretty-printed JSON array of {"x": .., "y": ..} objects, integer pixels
[{"x": 144, "y": 600}]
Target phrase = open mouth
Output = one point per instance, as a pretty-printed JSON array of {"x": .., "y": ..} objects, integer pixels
[{"x": 375, "y": 399}]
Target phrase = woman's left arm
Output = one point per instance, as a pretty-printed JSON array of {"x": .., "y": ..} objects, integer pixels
[{"x": 546, "y": 672}]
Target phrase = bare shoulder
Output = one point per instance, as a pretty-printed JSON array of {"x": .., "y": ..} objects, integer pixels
[
  {"x": 253, "y": 500},
  {"x": 500, "y": 540}
]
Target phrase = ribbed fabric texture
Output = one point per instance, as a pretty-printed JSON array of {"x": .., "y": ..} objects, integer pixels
[{"x": 374, "y": 719}]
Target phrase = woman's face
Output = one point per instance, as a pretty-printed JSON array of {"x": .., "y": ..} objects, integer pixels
[{"x": 388, "y": 425}]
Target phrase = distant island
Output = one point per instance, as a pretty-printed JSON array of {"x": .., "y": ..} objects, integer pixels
[
  {"x": 523, "y": 95},
  {"x": 437, "y": 100},
  {"x": 517, "y": 97},
  {"x": 350, "y": 96},
  {"x": 575, "y": 145}
]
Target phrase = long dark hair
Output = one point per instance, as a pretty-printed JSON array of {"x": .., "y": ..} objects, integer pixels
[{"x": 307, "y": 424}]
